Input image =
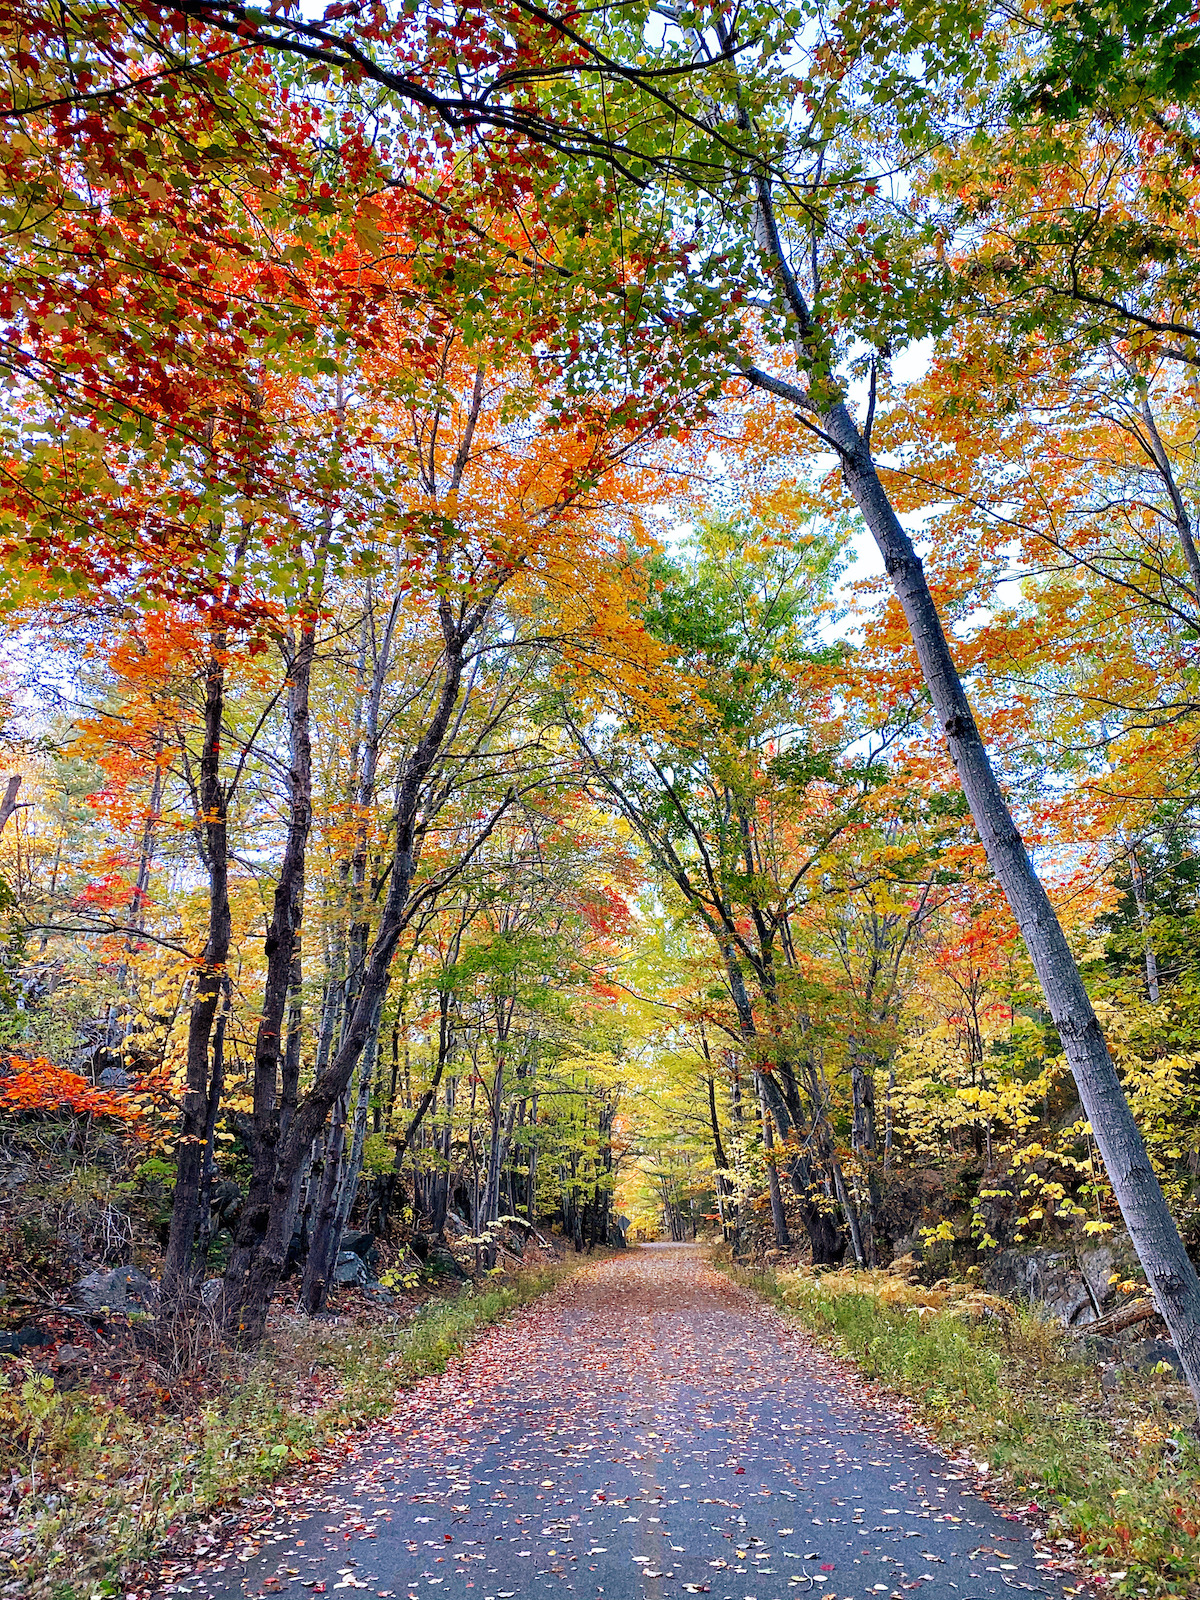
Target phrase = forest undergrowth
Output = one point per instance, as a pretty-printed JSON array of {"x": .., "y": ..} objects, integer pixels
[
  {"x": 96, "y": 1487},
  {"x": 1115, "y": 1474}
]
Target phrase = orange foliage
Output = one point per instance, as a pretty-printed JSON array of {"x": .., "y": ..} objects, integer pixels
[{"x": 38, "y": 1085}]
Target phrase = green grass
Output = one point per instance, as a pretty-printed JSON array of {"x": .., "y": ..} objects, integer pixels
[
  {"x": 1118, "y": 1475},
  {"x": 104, "y": 1483}
]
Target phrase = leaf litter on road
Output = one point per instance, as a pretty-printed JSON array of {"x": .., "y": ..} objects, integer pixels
[{"x": 650, "y": 1404}]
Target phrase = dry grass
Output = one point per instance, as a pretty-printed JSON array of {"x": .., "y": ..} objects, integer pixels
[{"x": 101, "y": 1474}]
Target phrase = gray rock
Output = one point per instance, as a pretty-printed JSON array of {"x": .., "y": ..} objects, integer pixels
[
  {"x": 210, "y": 1291},
  {"x": 27, "y": 1338},
  {"x": 350, "y": 1269},
  {"x": 118, "y": 1289},
  {"x": 1112, "y": 1378},
  {"x": 1146, "y": 1354},
  {"x": 14, "y": 1174},
  {"x": 1049, "y": 1280},
  {"x": 224, "y": 1194},
  {"x": 908, "y": 1244},
  {"x": 443, "y": 1262},
  {"x": 114, "y": 1078},
  {"x": 72, "y": 1355},
  {"x": 1098, "y": 1350},
  {"x": 1097, "y": 1263},
  {"x": 360, "y": 1243}
]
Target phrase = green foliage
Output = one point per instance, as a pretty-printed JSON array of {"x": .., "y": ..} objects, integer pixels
[{"x": 1112, "y": 51}]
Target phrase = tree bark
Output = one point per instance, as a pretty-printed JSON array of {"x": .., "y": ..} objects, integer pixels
[
  {"x": 783, "y": 1238},
  {"x": 248, "y": 1298},
  {"x": 1169, "y": 1271},
  {"x": 726, "y": 1198},
  {"x": 282, "y": 950},
  {"x": 318, "y": 1263},
  {"x": 179, "y": 1263},
  {"x": 862, "y": 1142},
  {"x": 1143, "y": 911}
]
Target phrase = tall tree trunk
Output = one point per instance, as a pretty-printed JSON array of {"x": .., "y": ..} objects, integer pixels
[
  {"x": 1141, "y": 900},
  {"x": 119, "y": 1012},
  {"x": 335, "y": 1205},
  {"x": 208, "y": 1165},
  {"x": 490, "y": 1206},
  {"x": 441, "y": 1142},
  {"x": 282, "y": 953},
  {"x": 726, "y": 1202},
  {"x": 862, "y": 1143},
  {"x": 778, "y": 1216},
  {"x": 531, "y": 1209},
  {"x": 179, "y": 1263},
  {"x": 246, "y": 1306},
  {"x": 318, "y": 1263},
  {"x": 1169, "y": 1271},
  {"x": 888, "y": 1130}
]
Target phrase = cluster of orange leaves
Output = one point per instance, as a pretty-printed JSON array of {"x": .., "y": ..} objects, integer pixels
[{"x": 38, "y": 1085}]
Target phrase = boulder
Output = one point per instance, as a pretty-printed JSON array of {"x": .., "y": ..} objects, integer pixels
[
  {"x": 1146, "y": 1354},
  {"x": 1097, "y": 1264},
  {"x": 210, "y": 1291},
  {"x": 442, "y": 1261},
  {"x": 363, "y": 1245},
  {"x": 223, "y": 1194},
  {"x": 350, "y": 1269},
  {"x": 1100, "y": 1351},
  {"x": 27, "y": 1338},
  {"x": 68, "y": 1356},
  {"x": 117, "y": 1289},
  {"x": 1049, "y": 1280},
  {"x": 14, "y": 1172}
]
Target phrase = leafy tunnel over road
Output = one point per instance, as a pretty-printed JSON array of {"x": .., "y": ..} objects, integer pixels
[{"x": 647, "y": 1431}]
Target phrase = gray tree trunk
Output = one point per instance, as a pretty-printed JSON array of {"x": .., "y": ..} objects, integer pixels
[
  {"x": 778, "y": 1216},
  {"x": 1169, "y": 1271},
  {"x": 212, "y": 804},
  {"x": 1143, "y": 910}
]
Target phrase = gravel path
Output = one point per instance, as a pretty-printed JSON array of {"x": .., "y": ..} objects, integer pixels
[{"x": 646, "y": 1432}]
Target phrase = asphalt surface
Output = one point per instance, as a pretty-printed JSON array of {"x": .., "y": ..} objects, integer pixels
[{"x": 647, "y": 1432}]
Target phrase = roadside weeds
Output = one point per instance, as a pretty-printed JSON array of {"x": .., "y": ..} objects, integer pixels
[{"x": 96, "y": 1488}]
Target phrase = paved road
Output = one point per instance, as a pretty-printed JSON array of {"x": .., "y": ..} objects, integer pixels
[{"x": 645, "y": 1433}]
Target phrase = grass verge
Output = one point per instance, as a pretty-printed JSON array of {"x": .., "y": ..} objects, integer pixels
[
  {"x": 1117, "y": 1475},
  {"x": 100, "y": 1486}
]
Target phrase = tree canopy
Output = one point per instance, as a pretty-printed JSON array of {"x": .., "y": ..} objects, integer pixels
[{"x": 470, "y": 768}]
